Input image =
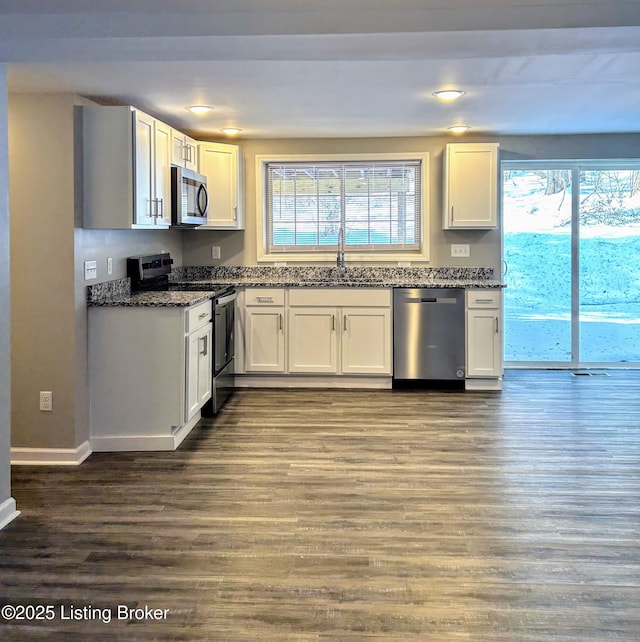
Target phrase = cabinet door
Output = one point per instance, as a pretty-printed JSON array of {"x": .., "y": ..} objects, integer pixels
[
  {"x": 205, "y": 366},
  {"x": 184, "y": 150},
  {"x": 484, "y": 343},
  {"x": 190, "y": 154},
  {"x": 177, "y": 148},
  {"x": 198, "y": 370},
  {"x": 220, "y": 163},
  {"x": 162, "y": 173},
  {"x": 471, "y": 185},
  {"x": 145, "y": 204},
  {"x": 313, "y": 344},
  {"x": 366, "y": 341},
  {"x": 264, "y": 339}
]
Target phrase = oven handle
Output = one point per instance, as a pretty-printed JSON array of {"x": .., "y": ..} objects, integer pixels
[{"x": 226, "y": 299}]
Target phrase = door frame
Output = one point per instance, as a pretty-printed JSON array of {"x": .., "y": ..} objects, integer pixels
[{"x": 574, "y": 166}]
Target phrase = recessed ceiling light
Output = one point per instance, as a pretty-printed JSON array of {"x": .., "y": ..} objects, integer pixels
[
  {"x": 459, "y": 129},
  {"x": 200, "y": 109},
  {"x": 231, "y": 131},
  {"x": 448, "y": 94}
]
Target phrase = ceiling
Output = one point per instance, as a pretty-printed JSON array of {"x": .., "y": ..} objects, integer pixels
[{"x": 339, "y": 68}]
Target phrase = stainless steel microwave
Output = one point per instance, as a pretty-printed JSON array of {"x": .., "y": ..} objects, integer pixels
[{"x": 189, "y": 197}]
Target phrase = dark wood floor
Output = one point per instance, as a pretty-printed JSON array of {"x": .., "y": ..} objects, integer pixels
[{"x": 351, "y": 515}]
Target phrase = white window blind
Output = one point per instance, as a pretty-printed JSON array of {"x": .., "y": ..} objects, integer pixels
[{"x": 377, "y": 203}]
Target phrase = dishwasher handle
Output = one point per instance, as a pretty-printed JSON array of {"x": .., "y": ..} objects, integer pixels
[{"x": 431, "y": 299}]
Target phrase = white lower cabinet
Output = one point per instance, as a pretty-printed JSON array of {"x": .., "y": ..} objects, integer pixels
[
  {"x": 313, "y": 340},
  {"x": 149, "y": 375},
  {"x": 319, "y": 331},
  {"x": 350, "y": 336},
  {"x": 366, "y": 340},
  {"x": 484, "y": 334},
  {"x": 264, "y": 327},
  {"x": 198, "y": 369}
]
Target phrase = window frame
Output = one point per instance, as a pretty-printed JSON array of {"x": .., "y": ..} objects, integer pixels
[{"x": 329, "y": 255}]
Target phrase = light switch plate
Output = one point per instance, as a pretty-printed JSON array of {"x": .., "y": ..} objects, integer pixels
[
  {"x": 90, "y": 270},
  {"x": 109, "y": 265},
  {"x": 460, "y": 250},
  {"x": 215, "y": 251}
]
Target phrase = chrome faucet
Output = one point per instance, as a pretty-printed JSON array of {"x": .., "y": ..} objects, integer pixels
[{"x": 342, "y": 268}]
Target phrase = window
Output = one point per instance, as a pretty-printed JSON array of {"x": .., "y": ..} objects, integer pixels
[{"x": 378, "y": 202}]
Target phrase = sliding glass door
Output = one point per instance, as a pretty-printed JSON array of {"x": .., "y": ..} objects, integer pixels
[
  {"x": 609, "y": 274},
  {"x": 571, "y": 235}
]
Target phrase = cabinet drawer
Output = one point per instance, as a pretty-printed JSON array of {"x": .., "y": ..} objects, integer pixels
[
  {"x": 483, "y": 298},
  {"x": 198, "y": 315},
  {"x": 264, "y": 296},
  {"x": 338, "y": 297}
]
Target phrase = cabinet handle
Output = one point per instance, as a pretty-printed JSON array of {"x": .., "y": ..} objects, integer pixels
[
  {"x": 235, "y": 213},
  {"x": 203, "y": 315},
  {"x": 452, "y": 215},
  {"x": 161, "y": 201},
  {"x": 264, "y": 299},
  {"x": 484, "y": 300},
  {"x": 205, "y": 349},
  {"x": 333, "y": 323},
  {"x": 497, "y": 326},
  {"x": 153, "y": 208},
  {"x": 280, "y": 321},
  {"x": 344, "y": 322}
]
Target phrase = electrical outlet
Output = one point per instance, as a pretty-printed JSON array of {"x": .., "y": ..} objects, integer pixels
[
  {"x": 46, "y": 400},
  {"x": 460, "y": 250},
  {"x": 215, "y": 251},
  {"x": 90, "y": 270},
  {"x": 404, "y": 263},
  {"x": 109, "y": 265}
]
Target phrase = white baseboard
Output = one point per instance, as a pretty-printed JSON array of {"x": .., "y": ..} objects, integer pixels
[
  {"x": 311, "y": 381},
  {"x": 131, "y": 443},
  {"x": 50, "y": 456},
  {"x": 8, "y": 512},
  {"x": 483, "y": 384}
]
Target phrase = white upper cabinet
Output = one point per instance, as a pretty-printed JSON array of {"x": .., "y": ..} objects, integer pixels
[
  {"x": 222, "y": 165},
  {"x": 470, "y": 192},
  {"x": 126, "y": 169},
  {"x": 152, "y": 145},
  {"x": 184, "y": 150}
]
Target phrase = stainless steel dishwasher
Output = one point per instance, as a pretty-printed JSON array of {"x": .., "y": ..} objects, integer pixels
[{"x": 428, "y": 334}]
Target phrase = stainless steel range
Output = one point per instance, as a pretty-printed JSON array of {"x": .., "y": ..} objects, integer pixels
[{"x": 151, "y": 273}]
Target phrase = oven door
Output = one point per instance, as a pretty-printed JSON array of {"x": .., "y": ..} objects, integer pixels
[
  {"x": 223, "y": 353},
  {"x": 223, "y": 331}
]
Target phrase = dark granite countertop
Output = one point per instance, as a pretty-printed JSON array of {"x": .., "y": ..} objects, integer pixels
[
  {"x": 204, "y": 277},
  {"x": 170, "y": 299},
  {"x": 194, "y": 284},
  {"x": 211, "y": 284}
]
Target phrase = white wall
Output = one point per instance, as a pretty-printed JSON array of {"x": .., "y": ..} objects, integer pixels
[
  {"x": 7, "y": 504},
  {"x": 49, "y": 316},
  {"x": 239, "y": 248}
]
